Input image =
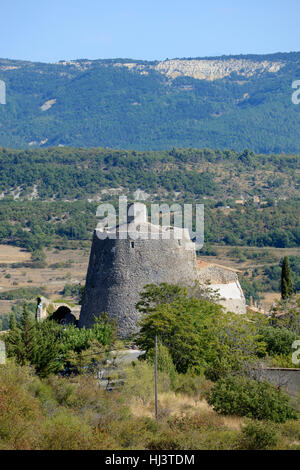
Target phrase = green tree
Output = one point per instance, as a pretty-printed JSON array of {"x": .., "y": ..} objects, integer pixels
[
  {"x": 49, "y": 346},
  {"x": 27, "y": 334},
  {"x": 200, "y": 336},
  {"x": 278, "y": 340},
  {"x": 286, "y": 279},
  {"x": 286, "y": 314},
  {"x": 164, "y": 361},
  {"x": 164, "y": 293},
  {"x": 13, "y": 340},
  {"x": 20, "y": 339},
  {"x": 12, "y": 322},
  {"x": 38, "y": 259},
  {"x": 47, "y": 356}
]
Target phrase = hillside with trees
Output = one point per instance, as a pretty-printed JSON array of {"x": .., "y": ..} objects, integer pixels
[
  {"x": 50, "y": 196},
  {"x": 218, "y": 102}
]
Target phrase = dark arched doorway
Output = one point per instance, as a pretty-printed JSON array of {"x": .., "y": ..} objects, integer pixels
[{"x": 64, "y": 316}]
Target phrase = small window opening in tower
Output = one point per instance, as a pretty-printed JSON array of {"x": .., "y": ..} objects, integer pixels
[{"x": 132, "y": 244}]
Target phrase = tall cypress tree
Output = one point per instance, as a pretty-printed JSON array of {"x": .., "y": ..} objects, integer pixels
[
  {"x": 27, "y": 334},
  {"x": 20, "y": 340},
  {"x": 286, "y": 279},
  {"x": 13, "y": 339},
  {"x": 12, "y": 322}
]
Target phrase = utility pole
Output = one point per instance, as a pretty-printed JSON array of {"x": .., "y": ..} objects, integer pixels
[{"x": 156, "y": 407}]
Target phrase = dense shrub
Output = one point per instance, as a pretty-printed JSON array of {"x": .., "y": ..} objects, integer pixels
[
  {"x": 166, "y": 441},
  {"x": 192, "y": 385},
  {"x": 20, "y": 413},
  {"x": 278, "y": 340},
  {"x": 291, "y": 429},
  {"x": 164, "y": 361},
  {"x": 207, "y": 420},
  {"x": 65, "y": 431},
  {"x": 73, "y": 290},
  {"x": 241, "y": 396},
  {"x": 257, "y": 435},
  {"x": 140, "y": 382},
  {"x": 38, "y": 259}
]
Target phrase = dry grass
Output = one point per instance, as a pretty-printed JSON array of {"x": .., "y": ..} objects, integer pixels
[
  {"x": 233, "y": 422},
  {"x": 171, "y": 404},
  {"x": 13, "y": 254}
]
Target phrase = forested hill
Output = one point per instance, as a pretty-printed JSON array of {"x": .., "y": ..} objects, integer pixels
[
  {"x": 51, "y": 195},
  {"x": 217, "y": 102},
  {"x": 76, "y": 173}
]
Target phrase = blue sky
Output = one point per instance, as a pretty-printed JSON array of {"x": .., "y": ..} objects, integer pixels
[{"x": 52, "y": 30}]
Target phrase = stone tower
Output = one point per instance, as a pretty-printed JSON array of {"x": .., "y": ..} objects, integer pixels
[{"x": 120, "y": 267}]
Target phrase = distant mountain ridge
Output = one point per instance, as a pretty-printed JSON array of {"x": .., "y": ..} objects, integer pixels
[
  {"x": 204, "y": 69},
  {"x": 217, "y": 102}
]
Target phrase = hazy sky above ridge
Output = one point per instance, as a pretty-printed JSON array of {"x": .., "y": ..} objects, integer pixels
[{"x": 52, "y": 30}]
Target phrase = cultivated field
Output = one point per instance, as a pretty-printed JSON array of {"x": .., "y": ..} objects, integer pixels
[
  {"x": 63, "y": 267},
  {"x": 70, "y": 267}
]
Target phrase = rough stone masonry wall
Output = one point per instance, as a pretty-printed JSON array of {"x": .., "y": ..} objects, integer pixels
[
  {"x": 288, "y": 379},
  {"x": 118, "y": 272},
  {"x": 215, "y": 275}
]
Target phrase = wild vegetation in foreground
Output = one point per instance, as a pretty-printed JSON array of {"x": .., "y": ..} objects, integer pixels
[
  {"x": 74, "y": 413},
  {"x": 208, "y": 398}
]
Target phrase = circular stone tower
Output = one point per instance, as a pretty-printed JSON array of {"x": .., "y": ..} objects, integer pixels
[{"x": 120, "y": 267}]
